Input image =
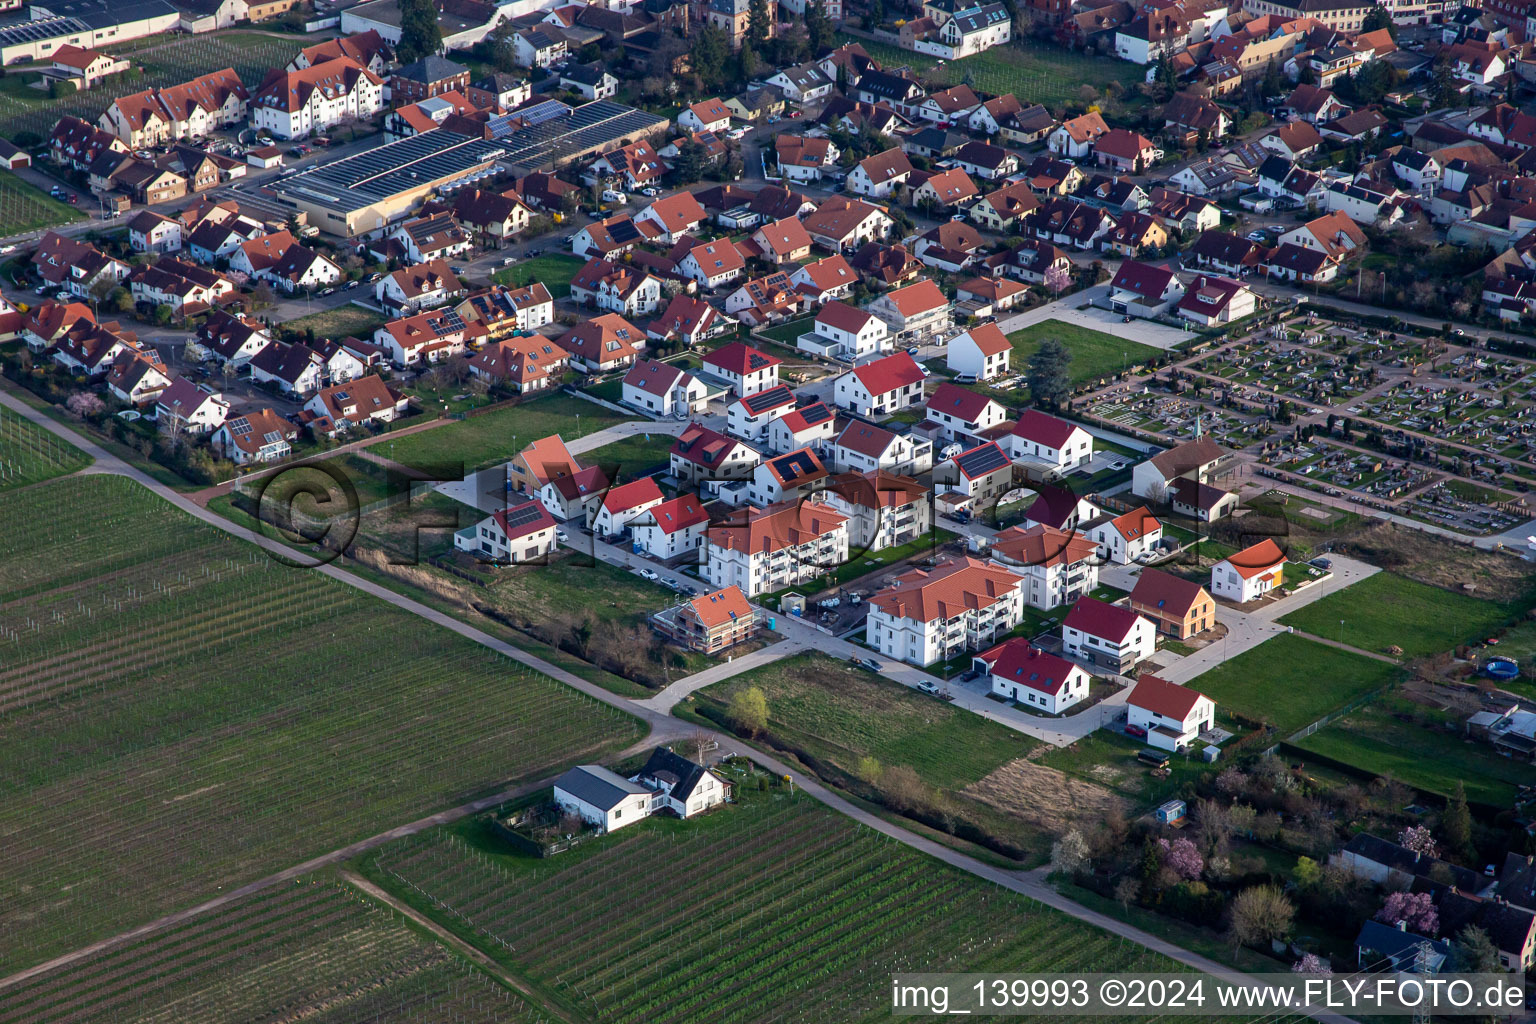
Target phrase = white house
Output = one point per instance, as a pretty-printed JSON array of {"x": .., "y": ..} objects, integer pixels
[
  {"x": 1034, "y": 678},
  {"x": 623, "y": 504},
  {"x": 1045, "y": 440},
  {"x": 709, "y": 115},
  {"x": 845, "y": 332},
  {"x": 915, "y": 313},
  {"x": 980, "y": 353},
  {"x": 1250, "y": 573},
  {"x": 749, "y": 417},
  {"x": 258, "y": 436},
  {"x": 809, "y": 426},
  {"x": 190, "y": 408},
  {"x": 670, "y": 529},
  {"x": 1058, "y": 566},
  {"x": 929, "y": 615},
  {"x": 765, "y": 551},
  {"x": 601, "y": 798},
  {"x": 879, "y": 175},
  {"x": 864, "y": 448},
  {"x": 746, "y": 369},
  {"x": 786, "y": 477},
  {"x": 1107, "y": 635},
  {"x": 880, "y": 388},
  {"x": 664, "y": 389},
  {"x": 681, "y": 786},
  {"x": 963, "y": 415},
  {"x": 1173, "y": 716},
  {"x": 291, "y": 104},
  {"x": 523, "y": 532},
  {"x": 1127, "y": 538}
]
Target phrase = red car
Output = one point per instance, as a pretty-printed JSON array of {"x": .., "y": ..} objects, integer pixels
[{"x": 1137, "y": 731}]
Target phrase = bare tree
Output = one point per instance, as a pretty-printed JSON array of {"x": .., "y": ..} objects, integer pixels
[
  {"x": 1260, "y": 914},
  {"x": 1127, "y": 891}
]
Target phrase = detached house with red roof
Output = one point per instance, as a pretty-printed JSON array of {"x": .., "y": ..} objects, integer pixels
[
  {"x": 1126, "y": 538},
  {"x": 700, "y": 454},
  {"x": 914, "y": 313},
  {"x": 1048, "y": 441},
  {"x": 1076, "y": 138},
  {"x": 709, "y": 115},
  {"x": 786, "y": 477},
  {"x": 603, "y": 344},
  {"x": 429, "y": 337},
  {"x": 522, "y": 364},
  {"x": 879, "y": 175},
  {"x": 845, "y": 332},
  {"x": 616, "y": 287},
  {"x": 1034, "y": 678},
  {"x": 825, "y": 280},
  {"x": 671, "y": 529},
  {"x": 750, "y": 417},
  {"x": 980, "y": 353},
  {"x": 524, "y": 532},
  {"x": 1179, "y": 607},
  {"x": 688, "y": 319},
  {"x": 675, "y": 216},
  {"x": 929, "y": 615},
  {"x": 663, "y": 389},
  {"x": 711, "y": 264},
  {"x": 1250, "y": 573},
  {"x": 1210, "y": 300},
  {"x": 363, "y": 402},
  {"x": 1107, "y": 636},
  {"x": 880, "y": 388},
  {"x": 865, "y": 448},
  {"x": 746, "y": 369},
  {"x": 1172, "y": 716},
  {"x": 810, "y": 426},
  {"x": 1125, "y": 151},
  {"x": 963, "y": 415},
  {"x": 1143, "y": 290},
  {"x": 623, "y": 503}
]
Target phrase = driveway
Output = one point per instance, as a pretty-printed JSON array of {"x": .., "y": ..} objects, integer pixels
[{"x": 1143, "y": 332}]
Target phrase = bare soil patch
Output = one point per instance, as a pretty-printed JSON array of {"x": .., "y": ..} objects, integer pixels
[{"x": 1043, "y": 797}]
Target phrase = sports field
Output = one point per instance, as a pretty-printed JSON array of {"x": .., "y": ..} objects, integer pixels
[{"x": 180, "y": 713}]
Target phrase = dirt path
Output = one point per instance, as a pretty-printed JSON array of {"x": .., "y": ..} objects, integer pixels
[{"x": 452, "y": 941}]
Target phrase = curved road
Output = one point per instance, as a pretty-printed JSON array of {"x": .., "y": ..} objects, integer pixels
[{"x": 664, "y": 728}]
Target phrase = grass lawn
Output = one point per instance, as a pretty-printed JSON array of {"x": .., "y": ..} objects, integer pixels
[
  {"x": 1290, "y": 681},
  {"x": 1094, "y": 353},
  {"x": 342, "y": 322},
  {"x": 788, "y": 331},
  {"x": 1373, "y": 739},
  {"x": 554, "y": 269},
  {"x": 1109, "y": 759},
  {"x": 25, "y": 207},
  {"x": 1387, "y": 609},
  {"x": 632, "y": 457},
  {"x": 496, "y": 436}
]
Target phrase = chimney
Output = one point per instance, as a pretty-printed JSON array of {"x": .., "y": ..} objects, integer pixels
[{"x": 1402, "y": 926}]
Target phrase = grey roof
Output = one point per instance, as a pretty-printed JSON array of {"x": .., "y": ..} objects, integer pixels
[
  {"x": 430, "y": 69},
  {"x": 593, "y": 784},
  {"x": 1393, "y": 856},
  {"x": 677, "y": 771},
  {"x": 1402, "y": 947}
]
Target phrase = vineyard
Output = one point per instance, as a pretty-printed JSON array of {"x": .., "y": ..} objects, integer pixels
[
  {"x": 775, "y": 909},
  {"x": 25, "y": 207},
  {"x": 181, "y": 713},
  {"x": 28, "y": 453},
  {"x": 313, "y": 949},
  {"x": 165, "y": 61}
]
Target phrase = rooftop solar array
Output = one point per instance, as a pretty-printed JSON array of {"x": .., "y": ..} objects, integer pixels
[
  {"x": 44, "y": 28},
  {"x": 535, "y": 113},
  {"x": 764, "y": 400},
  {"x": 585, "y": 128},
  {"x": 624, "y": 231},
  {"x": 447, "y": 322},
  {"x": 522, "y": 515},
  {"x": 983, "y": 460},
  {"x": 756, "y": 360},
  {"x": 814, "y": 414},
  {"x": 389, "y": 170},
  {"x": 795, "y": 464}
]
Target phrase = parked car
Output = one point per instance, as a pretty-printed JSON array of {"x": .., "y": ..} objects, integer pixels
[
  {"x": 507, "y": 261},
  {"x": 1136, "y": 731},
  {"x": 912, "y": 350},
  {"x": 648, "y": 574},
  {"x": 1321, "y": 563},
  {"x": 873, "y": 664},
  {"x": 457, "y": 270},
  {"x": 928, "y": 687},
  {"x": 562, "y": 536}
]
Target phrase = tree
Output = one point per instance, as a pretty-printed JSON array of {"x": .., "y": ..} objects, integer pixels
[
  {"x": 1049, "y": 380},
  {"x": 121, "y": 299},
  {"x": 748, "y": 711},
  {"x": 1456, "y": 823},
  {"x": 690, "y": 162},
  {"x": 1260, "y": 914},
  {"x": 1412, "y": 910},
  {"x": 868, "y": 769},
  {"x": 581, "y": 636},
  {"x": 708, "y": 53},
  {"x": 419, "y": 35},
  {"x": 1058, "y": 278},
  {"x": 758, "y": 25},
  {"x": 1311, "y": 963},
  {"x": 1379, "y": 18},
  {"x": 747, "y": 63},
  {"x": 1181, "y": 857},
  {"x": 819, "y": 27},
  {"x": 1069, "y": 853},
  {"x": 1473, "y": 952},
  {"x": 1443, "y": 91},
  {"x": 1308, "y": 872},
  {"x": 1126, "y": 892},
  {"x": 1417, "y": 839},
  {"x": 84, "y": 404}
]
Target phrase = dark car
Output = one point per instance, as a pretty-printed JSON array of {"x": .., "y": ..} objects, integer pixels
[{"x": 1321, "y": 563}]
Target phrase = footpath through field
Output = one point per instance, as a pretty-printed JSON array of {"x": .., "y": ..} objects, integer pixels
[{"x": 664, "y": 729}]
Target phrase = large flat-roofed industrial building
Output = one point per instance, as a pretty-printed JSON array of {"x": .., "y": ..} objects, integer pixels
[
  {"x": 83, "y": 23},
  {"x": 362, "y": 194}
]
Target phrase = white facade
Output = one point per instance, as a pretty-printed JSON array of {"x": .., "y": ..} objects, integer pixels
[
  {"x": 765, "y": 572},
  {"x": 1123, "y": 542},
  {"x": 965, "y": 357},
  {"x": 923, "y": 643},
  {"x": 1201, "y": 717},
  {"x": 1136, "y": 646}
]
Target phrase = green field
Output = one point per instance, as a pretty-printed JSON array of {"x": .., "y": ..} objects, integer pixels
[
  {"x": 1290, "y": 681},
  {"x": 28, "y": 453},
  {"x": 344, "y": 321},
  {"x": 632, "y": 457},
  {"x": 181, "y": 714},
  {"x": 25, "y": 207},
  {"x": 1373, "y": 739},
  {"x": 1094, "y": 353},
  {"x": 841, "y": 713},
  {"x": 312, "y": 943},
  {"x": 774, "y": 909},
  {"x": 1032, "y": 71},
  {"x": 554, "y": 269},
  {"x": 493, "y": 437},
  {"x": 1387, "y": 609}
]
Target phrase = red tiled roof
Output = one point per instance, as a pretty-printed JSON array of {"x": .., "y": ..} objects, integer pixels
[
  {"x": 1167, "y": 593},
  {"x": 954, "y": 400},
  {"x": 632, "y": 495},
  {"x": 1037, "y": 426},
  {"x": 885, "y": 375},
  {"x": 1101, "y": 619},
  {"x": 1161, "y": 697},
  {"x": 681, "y": 512},
  {"x": 740, "y": 358},
  {"x": 1257, "y": 558},
  {"x": 1017, "y": 661}
]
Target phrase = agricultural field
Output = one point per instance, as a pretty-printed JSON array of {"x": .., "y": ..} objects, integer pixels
[
  {"x": 1094, "y": 353},
  {"x": 159, "y": 61},
  {"x": 771, "y": 909},
  {"x": 554, "y": 269},
  {"x": 1035, "y": 72},
  {"x": 1290, "y": 681},
  {"x": 496, "y": 436},
  {"x": 145, "y": 709},
  {"x": 310, "y": 948},
  {"x": 1387, "y": 609},
  {"x": 1423, "y": 748},
  {"x": 28, "y": 453},
  {"x": 25, "y": 207}
]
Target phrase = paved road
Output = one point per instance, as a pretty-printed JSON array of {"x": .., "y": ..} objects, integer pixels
[{"x": 664, "y": 729}]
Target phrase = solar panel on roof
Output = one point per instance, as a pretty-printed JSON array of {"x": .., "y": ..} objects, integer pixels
[
  {"x": 531, "y": 512},
  {"x": 764, "y": 400},
  {"x": 982, "y": 460},
  {"x": 815, "y": 414},
  {"x": 624, "y": 231}
]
